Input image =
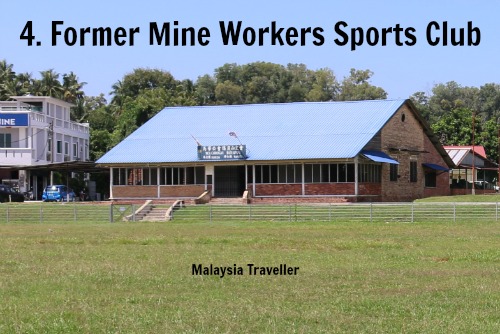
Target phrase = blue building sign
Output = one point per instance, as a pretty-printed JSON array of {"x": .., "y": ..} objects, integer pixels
[{"x": 11, "y": 120}]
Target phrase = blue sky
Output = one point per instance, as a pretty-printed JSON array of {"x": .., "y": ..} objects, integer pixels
[{"x": 400, "y": 70}]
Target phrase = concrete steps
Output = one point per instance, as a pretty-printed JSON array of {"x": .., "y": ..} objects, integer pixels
[
  {"x": 226, "y": 200},
  {"x": 154, "y": 215}
]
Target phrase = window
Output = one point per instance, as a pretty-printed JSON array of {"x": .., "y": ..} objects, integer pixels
[
  {"x": 430, "y": 179},
  {"x": 329, "y": 173},
  {"x": 282, "y": 169},
  {"x": 334, "y": 173},
  {"x": 75, "y": 150},
  {"x": 59, "y": 146},
  {"x": 5, "y": 140},
  {"x": 342, "y": 171},
  {"x": 293, "y": 173},
  {"x": 49, "y": 145},
  {"x": 413, "y": 171},
  {"x": 393, "y": 172},
  {"x": 195, "y": 175},
  {"x": 275, "y": 174},
  {"x": 350, "y": 172},
  {"x": 308, "y": 173},
  {"x": 134, "y": 176},
  {"x": 369, "y": 173},
  {"x": 182, "y": 175},
  {"x": 66, "y": 148}
]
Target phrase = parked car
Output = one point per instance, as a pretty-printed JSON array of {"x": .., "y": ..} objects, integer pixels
[
  {"x": 58, "y": 193},
  {"x": 8, "y": 194}
]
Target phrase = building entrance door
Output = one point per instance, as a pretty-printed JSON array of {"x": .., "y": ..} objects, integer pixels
[{"x": 229, "y": 181}]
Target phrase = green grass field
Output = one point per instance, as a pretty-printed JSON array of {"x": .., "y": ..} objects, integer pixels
[
  {"x": 488, "y": 198},
  {"x": 353, "y": 278}
]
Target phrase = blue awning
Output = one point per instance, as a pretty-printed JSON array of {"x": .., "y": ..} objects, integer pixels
[
  {"x": 435, "y": 167},
  {"x": 379, "y": 156}
]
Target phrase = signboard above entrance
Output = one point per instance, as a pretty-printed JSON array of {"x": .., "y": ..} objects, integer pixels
[
  {"x": 222, "y": 152},
  {"x": 10, "y": 120}
]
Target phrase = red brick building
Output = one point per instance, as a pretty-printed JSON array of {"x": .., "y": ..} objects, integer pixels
[{"x": 379, "y": 150}]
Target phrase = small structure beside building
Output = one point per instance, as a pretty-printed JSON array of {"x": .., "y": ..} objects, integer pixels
[
  {"x": 381, "y": 150},
  {"x": 36, "y": 131},
  {"x": 473, "y": 170}
]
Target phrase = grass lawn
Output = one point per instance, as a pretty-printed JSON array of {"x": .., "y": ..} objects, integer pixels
[
  {"x": 462, "y": 198},
  {"x": 353, "y": 278}
]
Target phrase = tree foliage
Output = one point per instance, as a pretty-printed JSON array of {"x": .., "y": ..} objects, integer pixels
[
  {"x": 357, "y": 87},
  {"x": 143, "y": 92},
  {"x": 450, "y": 108}
]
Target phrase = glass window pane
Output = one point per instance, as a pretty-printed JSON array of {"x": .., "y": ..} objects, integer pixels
[
  {"x": 153, "y": 176},
  {"x": 298, "y": 173},
  {"x": 282, "y": 173},
  {"x": 308, "y": 172},
  {"x": 350, "y": 172},
  {"x": 200, "y": 175}
]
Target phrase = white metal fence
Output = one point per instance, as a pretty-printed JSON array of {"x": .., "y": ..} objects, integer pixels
[
  {"x": 358, "y": 212},
  {"x": 53, "y": 212}
]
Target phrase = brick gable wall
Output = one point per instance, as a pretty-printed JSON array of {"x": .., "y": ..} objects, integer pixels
[{"x": 404, "y": 141}]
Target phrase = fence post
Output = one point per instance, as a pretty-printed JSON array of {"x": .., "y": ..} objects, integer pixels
[
  {"x": 111, "y": 213},
  {"x": 454, "y": 212},
  {"x": 330, "y": 212},
  {"x": 74, "y": 212},
  {"x": 412, "y": 212},
  {"x": 371, "y": 212},
  {"x": 133, "y": 212}
]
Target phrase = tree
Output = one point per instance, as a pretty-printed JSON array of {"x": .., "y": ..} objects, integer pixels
[
  {"x": 49, "y": 84},
  {"x": 7, "y": 80},
  {"x": 357, "y": 87},
  {"x": 488, "y": 101},
  {"x": 24, "y": 83},
  {"x": 72, "y": 88},
  {"x": 102, "y": 124},
  {"x": 205, "y": 90},
  {"x": 228, "y": 93},
  {"x": 325, "y": 86},
  {"x": 85, "y": 106},
  {"x": 141, "y": 79},
  {"x": 421, "y": 102},
  {"x": 451, "y": 95},
  {"x": 488, "y": 137},
  {"x": 455, "y": 127}
]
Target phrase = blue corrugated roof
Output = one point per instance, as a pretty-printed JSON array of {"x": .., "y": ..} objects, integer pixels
[{"x": 284, "y": 131}]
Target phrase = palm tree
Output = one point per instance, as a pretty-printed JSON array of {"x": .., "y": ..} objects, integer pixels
[
  {"x": 50, "y": 85},
  {"x": 71, "y": 88},
  {"x": 24, "y": 83},
  {"x": 7, "y": 79},
  {"x": 117, "y": 93}
]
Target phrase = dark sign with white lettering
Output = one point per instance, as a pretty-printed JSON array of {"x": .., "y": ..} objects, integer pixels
[{"x": 222, "y": 152}]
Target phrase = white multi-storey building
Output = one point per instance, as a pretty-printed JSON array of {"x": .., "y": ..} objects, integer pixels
[{"x": 37, "y": 131}]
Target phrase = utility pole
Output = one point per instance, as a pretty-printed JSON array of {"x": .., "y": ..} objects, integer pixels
[
  {"x": 473, "y": 155},
  {"x": 51, "y": 143}
]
